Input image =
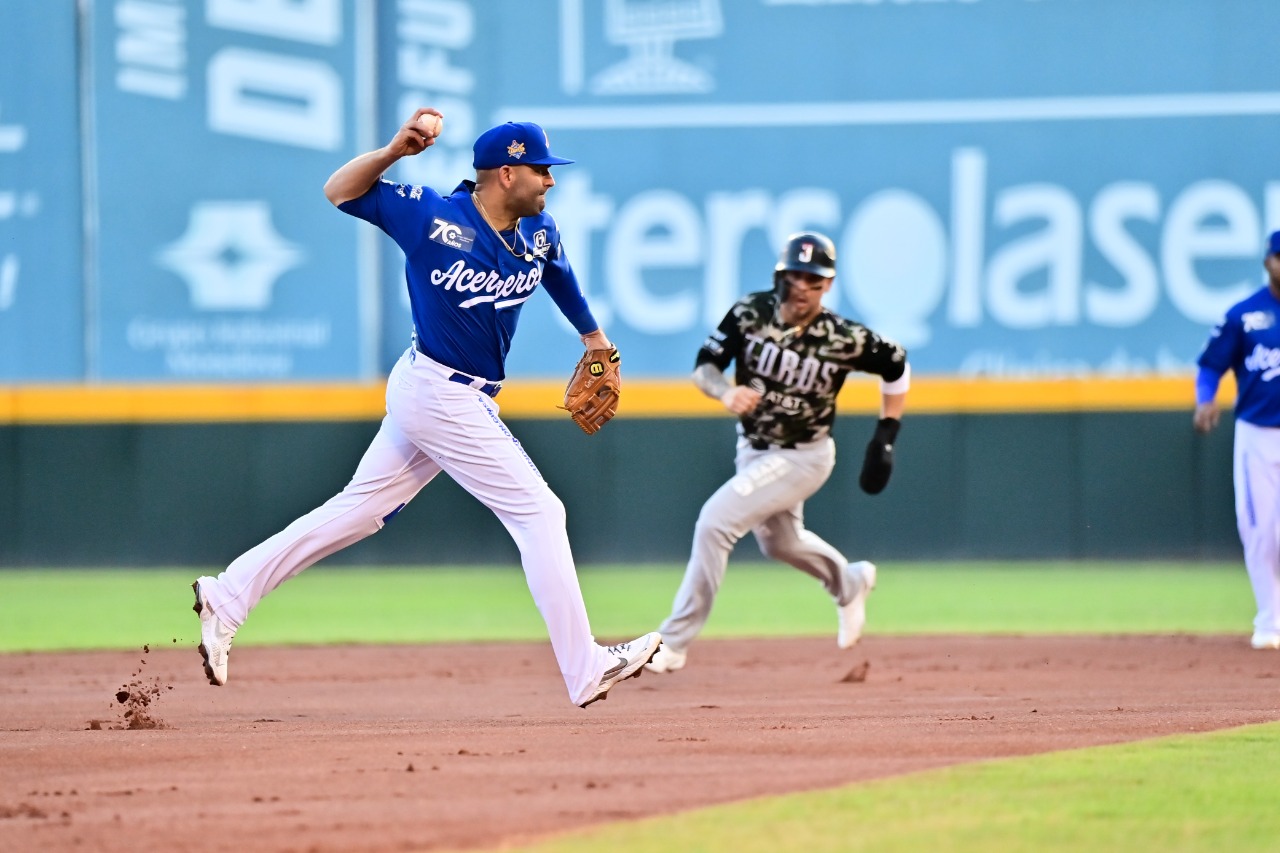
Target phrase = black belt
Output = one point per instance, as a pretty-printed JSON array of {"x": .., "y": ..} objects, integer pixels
[
  {"x": 761, "y": 444},
  {"x": 489, "y": 389}
]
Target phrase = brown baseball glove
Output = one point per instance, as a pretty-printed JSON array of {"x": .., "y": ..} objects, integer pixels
[{"x": 591, "y": 397}]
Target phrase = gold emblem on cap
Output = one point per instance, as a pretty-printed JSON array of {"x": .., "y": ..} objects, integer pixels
[{"x": 515, "y": 149}]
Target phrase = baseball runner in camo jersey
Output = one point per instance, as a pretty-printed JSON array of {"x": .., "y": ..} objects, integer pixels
[
  {"x": 472, "y": 259},
  {"x": 1247, "y": 342},
  {"x": 792, "y": 356}
]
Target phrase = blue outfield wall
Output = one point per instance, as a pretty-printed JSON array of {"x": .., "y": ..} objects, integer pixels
[
  {"x": 1078, "y": 485},
  {"x": 1019, "y": 189},
  {"x": 1016, "y": 187}
]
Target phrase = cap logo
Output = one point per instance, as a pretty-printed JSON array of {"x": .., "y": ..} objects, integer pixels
[{"x": 515, "y": 150}]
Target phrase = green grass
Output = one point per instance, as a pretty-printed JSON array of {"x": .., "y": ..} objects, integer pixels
[
  {"x": 1210, "y": 792},
  {"x": 1213, "y": 792},
  {"x": 64, "y": 609},
  {"x": 123, "y": 609}
]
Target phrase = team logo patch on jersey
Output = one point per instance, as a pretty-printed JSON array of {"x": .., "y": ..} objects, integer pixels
[
  {"x": 515, "y": 149},
  {"x": 714, "y": 343},
  {"x": 451, "y": 234},
  {"x": 1256, "y": 321}
]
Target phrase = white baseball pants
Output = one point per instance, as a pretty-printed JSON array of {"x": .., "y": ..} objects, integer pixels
[
  {"x": 433, "y": 425},
  {"x": 1257, "y": 485}
]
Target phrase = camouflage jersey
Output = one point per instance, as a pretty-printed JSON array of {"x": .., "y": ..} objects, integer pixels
[{"x": 798, "y": 374}]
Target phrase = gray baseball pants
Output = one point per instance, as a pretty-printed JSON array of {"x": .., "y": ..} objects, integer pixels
[{"x": 766, "y": 497}]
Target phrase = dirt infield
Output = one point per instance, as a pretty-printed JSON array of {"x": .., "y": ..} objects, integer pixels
[{"x": 418, "y": 748}]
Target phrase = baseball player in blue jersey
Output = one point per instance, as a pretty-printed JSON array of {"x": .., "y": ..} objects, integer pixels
[
  {"x": 1247, "y": 342},
  {"x": 472, "y": 259}
]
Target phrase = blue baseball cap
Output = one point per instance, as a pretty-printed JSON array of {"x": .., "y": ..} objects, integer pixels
[
  {"x": 1274, "y": 243},
  {"x": 516, "y": 143}
]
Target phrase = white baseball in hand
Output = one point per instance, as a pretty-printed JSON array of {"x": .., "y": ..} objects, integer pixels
[{"x": 431, "y": 124}]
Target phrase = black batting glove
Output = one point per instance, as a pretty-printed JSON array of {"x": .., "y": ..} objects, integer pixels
[{"x": 877, "y": 464}]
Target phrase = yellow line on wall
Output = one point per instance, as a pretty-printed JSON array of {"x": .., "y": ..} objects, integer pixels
[
  {"x": 521, "y": 398},
  {"x": 188, "y": 403}
]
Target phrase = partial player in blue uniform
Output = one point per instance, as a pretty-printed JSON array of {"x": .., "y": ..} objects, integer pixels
[
  {"x": 1247, "y": 342},
  {"x": 472, "y": 260}
]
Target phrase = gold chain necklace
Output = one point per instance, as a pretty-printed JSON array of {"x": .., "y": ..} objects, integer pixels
[{"x": 484, "y": 214}]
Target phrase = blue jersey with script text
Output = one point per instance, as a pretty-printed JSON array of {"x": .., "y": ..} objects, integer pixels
[
  {"x": 466, "y": 288},
  {"x": 1247, "y": 342}
]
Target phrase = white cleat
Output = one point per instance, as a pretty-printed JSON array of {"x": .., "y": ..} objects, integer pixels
[
  {"x": 853, "y": 616},
  {"x": 215, "y": 638},
  {"x": 630, "y": 659},
  {"x": 667, "y": 660},
  {"x": 1265, "y": 641}
]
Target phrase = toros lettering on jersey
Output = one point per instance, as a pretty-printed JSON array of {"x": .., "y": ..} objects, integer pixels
[{"x": 802, "y": 375}]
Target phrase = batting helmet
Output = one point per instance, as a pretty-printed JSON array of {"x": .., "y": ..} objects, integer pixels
[{"x": 809, "y": 252}]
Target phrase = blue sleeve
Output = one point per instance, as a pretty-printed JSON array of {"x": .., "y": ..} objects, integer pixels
[
  {"x": 402, "y": 211},
  {"x": 1206, "y": 385},
  {"x": 562, "y": 285}
]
